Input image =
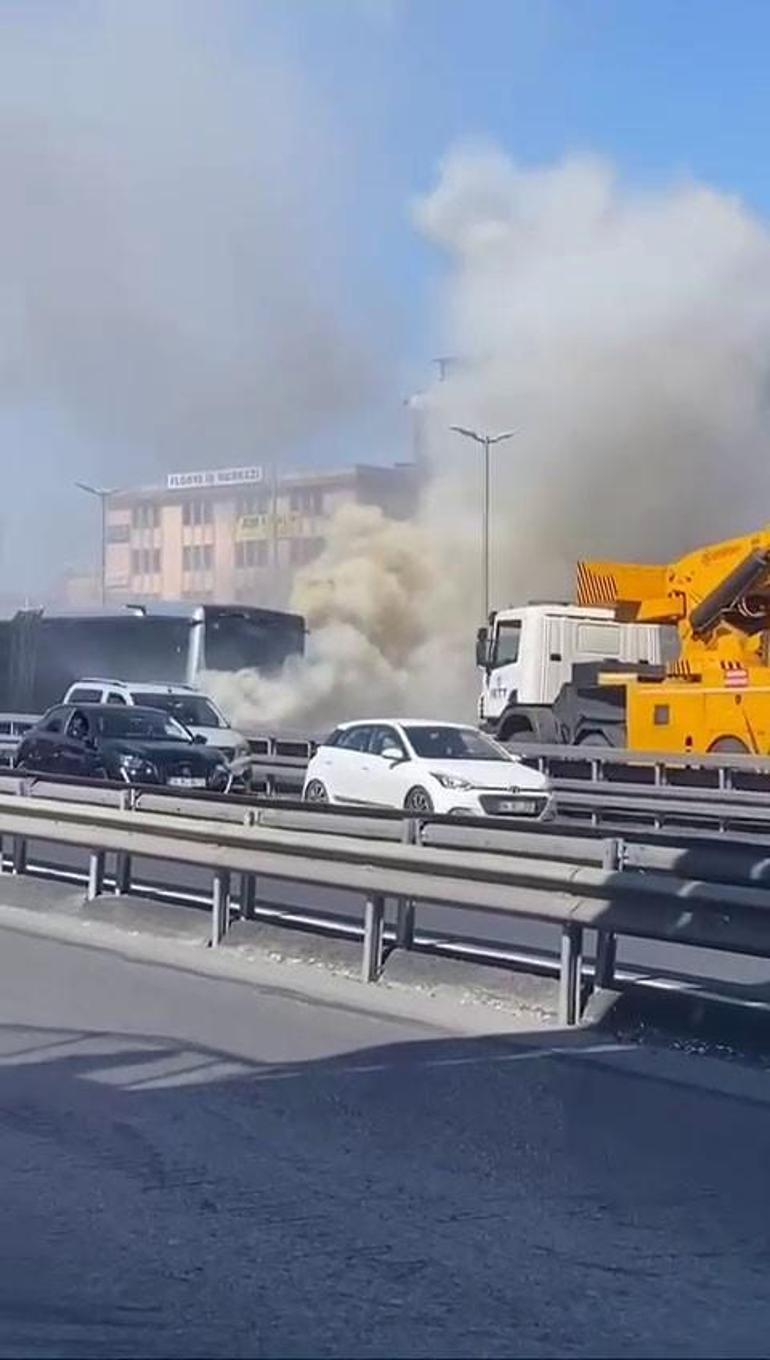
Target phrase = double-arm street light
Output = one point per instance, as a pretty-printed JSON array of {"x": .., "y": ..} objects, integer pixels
[
  {"x": 486, "y": 440},
  {"x": 102, "y": 494}
]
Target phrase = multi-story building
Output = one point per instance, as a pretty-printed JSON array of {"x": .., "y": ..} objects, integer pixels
[{"x": 235, "y": 534}]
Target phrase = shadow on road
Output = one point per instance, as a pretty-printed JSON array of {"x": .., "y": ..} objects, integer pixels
[{"x": 436, "y": 1197}]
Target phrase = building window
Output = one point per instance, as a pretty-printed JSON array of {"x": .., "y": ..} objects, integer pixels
[
  {"x": 118, "y": 533},
  {"x": 197, "y": 557},
  {"x": 306, "y": 500},
  {"x": 304, "y": 550},
  {"x": 146, "y": 515},
  {"x": 256, "y": 504},
  {"x": 145, "y": 561},
  {"x": 252, "y": 553},
  {"x": 197, "y": 512}
]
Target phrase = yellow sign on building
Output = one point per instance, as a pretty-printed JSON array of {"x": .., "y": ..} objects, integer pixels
[{"x": 249, "y": 528}]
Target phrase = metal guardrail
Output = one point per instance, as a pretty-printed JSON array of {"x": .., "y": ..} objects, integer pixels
[
  {"x": 595, "y": 763},
  {"x": 606, "y": 764},
  {"x": 687, "y": 895},
  {"x": 608, "y": 801}
]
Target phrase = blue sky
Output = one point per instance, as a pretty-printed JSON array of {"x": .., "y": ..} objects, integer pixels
[{"x": 664, "y": 88}]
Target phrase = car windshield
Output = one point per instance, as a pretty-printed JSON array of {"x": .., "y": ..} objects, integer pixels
[
  {"x": 191, "y": 709},
  {"x": 138, "y": 724},
  {"x": 454, "y": 743}
]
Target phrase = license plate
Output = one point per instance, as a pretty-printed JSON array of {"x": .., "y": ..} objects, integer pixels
[
  {"x": 526, "y": 806},
  {"x": 183, "y": 781}
]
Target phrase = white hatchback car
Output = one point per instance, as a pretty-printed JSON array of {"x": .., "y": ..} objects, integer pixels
[{"x": 425, "y": 767}]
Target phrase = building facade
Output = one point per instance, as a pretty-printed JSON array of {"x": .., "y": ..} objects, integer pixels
[{"x": 235, "y": 534}]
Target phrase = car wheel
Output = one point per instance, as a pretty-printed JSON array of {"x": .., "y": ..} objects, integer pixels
[
  {"x": 418, "y": 800},
  {"x": 316, "y": 792}
]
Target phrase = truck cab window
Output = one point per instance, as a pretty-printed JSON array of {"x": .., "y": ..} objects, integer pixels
[{"x": 507, "y": 640}]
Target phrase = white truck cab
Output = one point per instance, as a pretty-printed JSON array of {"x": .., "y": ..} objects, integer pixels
[
  {"x": 527, "y": 655},
  {"x": 194, "y": 710}
]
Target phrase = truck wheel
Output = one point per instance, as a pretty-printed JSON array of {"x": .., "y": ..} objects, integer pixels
[
  {"x": 593, "y": 739},
  {"x": 517, "y": 731},
  {"x": 728, "y": 746}
]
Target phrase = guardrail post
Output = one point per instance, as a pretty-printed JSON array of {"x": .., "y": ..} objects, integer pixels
[
  {"x": 606, "y": 954},
  {"x": 374, "y": 918},
  {"x": 95, "y": 875},
  {"x": 19, "y": 855},
  {"x": 410, "y": 835},
  {"x": 570, "y": 974},
  {"x": 122, "y": 873},
  {"x": 247, "y": 901},
  {"x": 122, "y": 858},
  {"x": 606, "y": 943},
  {"x": 220, "y": 906}
]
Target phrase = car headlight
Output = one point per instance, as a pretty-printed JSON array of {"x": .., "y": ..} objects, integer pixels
[
  {"x": 136, "y": 767},
  {"x": 242, "y": 749},
  {"x": 451, "y": 781}
]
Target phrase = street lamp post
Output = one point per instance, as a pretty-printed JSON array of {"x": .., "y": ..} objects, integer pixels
[
  {"x": 102, "y": 495},
  {"x": 486, "y": 440}
]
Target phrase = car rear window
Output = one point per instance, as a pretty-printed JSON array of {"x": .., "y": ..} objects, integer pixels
[{"x": 85, "y": 696}]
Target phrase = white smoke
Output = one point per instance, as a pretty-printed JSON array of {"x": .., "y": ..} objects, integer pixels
[
  {"x": 175, "y": 281},
  {"x": 378, "y": 603},
  {"x": 627, "y": 335}
]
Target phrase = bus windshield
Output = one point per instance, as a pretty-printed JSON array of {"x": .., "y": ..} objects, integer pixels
[{"x": 250, "y": 639}]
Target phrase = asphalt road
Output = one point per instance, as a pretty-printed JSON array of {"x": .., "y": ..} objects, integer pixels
[{"x": 191, "y": 1166}]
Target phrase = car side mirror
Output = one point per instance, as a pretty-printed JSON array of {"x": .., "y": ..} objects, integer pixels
[
  {"x": 482, "y": 647},
  {"x": 198, "y": 740},
  {"x": 393, "y": 753}
]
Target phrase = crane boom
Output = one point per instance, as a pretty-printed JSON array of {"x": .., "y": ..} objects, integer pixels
[{"x": 718, "y": 597}]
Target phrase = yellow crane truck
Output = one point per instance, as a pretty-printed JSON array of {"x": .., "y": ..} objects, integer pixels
[{"x": 715, "y": 696}]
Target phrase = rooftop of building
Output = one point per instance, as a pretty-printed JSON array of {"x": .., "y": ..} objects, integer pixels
[{"x": 224, "y": 482}]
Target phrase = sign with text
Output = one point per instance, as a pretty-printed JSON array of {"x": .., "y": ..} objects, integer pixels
[
  {"x": 249, "y": 527},
  {"x": 193, "y": 481}
]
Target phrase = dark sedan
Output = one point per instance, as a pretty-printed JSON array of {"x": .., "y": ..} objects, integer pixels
[{"x": 133, "y": 744}]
